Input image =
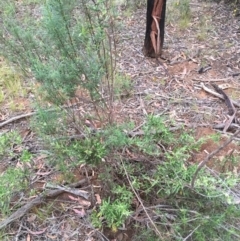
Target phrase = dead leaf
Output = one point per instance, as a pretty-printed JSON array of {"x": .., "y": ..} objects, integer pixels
[
  {"x": 183, "y": 55},
  {"x": 80, "y": 212},
  {"x": 28, "y": 237},
  {"x": 51, "y": 236},
  {"x": 184, "y": 72},
  {"x": 80, "y": 201},
  {"x": 224, "y": 86},
  {"x": 31, "y": 218},
  {"x": 73, "y": 198},
  {"x": 99, "y": 200},
  {"x": 40, "y": 157},
  {"x": 25, "y": 133}
]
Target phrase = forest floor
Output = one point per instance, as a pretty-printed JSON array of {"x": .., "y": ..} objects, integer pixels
[{"x": 198, "y": 52}]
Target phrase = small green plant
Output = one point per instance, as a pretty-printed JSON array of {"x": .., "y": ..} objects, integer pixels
[
  {"x": 184, "y": 9},
  {"x": 115, "y": 136},
  {"x": 26, "y": 156},
  {"x": 144, "y": 234},
  {"x": 89, "y": 150},
  {"x": 7, "y": 142},
  {"x": 170, "y": 179},
  {"x": 69, "y": 46},
  {"x": 122, "y": 84},
  {"x": 50, "y": 121},
  {"x": 10, "y": 83},
  {"x": 114, "y": 213},
  {"x": 12, "y": 181},
  {"x": 179, "y": 11}
]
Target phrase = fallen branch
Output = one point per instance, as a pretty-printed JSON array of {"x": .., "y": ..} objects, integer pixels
[
  {"x": 231, "y": 109},
  {"x": 222, "y": 125},
  {"x": 217, "y": 94},
  {"x": 73, "y": 191},
  {"x": 18, "y": 117},
  {"x": 228, "y": 101},
  {"x": 236, "y": 74},
  {"x": 203, "y": 163},
  {"x": 15, "y": 118},
  {"x": 36, "y": 201}
]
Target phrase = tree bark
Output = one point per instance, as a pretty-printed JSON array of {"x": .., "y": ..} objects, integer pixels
[{"x": 155, "y": 22}]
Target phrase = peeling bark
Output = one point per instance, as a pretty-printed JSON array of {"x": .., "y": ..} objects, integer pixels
[{"x": 155, "y": 22}]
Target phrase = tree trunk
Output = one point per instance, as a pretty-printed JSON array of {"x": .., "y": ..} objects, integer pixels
[{"x": 155, "y": 22}]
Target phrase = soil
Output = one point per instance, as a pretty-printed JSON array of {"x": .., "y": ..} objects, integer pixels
[{"x": 171, "y": 87}]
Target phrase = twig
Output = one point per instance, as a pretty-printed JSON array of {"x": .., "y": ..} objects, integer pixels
[
  {"x": 15, "y": 118},
  {"x": 73, "y": 191},
  {"x": 36, "y": 201},
  {"x": 229, "y": 122},
  {"x": 189, "y": 235},
  {"x": 222, "y": 125},
  {"x": 235, "y": 74},
  {"x": 142, "y": 133},
  {"x": 140, "y": 201},
  {"x": 18, "y": 117},
  {"x": 212, "y": 80},
  {"x": 211, "y": 155}
]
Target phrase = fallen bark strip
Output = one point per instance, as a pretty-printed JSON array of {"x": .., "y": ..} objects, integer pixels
[
  {"x": 36, "y": 201},
  {"x": 211, "y": 155}
]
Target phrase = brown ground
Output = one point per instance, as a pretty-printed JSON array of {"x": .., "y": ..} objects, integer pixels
[{"x": 171, "y": 88}]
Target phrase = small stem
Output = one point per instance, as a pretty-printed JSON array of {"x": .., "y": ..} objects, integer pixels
[{"x": 203, "y": 163}]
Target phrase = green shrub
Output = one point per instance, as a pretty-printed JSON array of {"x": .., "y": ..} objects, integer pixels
[
  {"x": 64, "y": 44},
  {"x": 13, "y": 179}
]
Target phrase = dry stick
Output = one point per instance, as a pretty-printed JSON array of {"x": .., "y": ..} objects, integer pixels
[
  {"x": 36, "y": 201},
  {"x": 212, "y": 80},
  {"x": 229, "y": 122},
  {"x": 139, "y": 199},
  {"x": 211, "y": 155},
  {"x": 18, "y": 117},
  {"x": 185, "y": 239},
  {"x": 15, "y": 118}
]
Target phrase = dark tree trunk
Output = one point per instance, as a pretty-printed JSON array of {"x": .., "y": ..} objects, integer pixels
[{"x": 154, "y": 36}]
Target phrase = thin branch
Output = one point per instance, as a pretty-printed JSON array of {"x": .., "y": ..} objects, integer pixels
[
  {"x": 140, "y": 201},
  {"x": 189, "y": 235},
  {"x": 203, "y": 163},
  {"x": 36, "y": 201},
  {"x": 15, "y": 118}
]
